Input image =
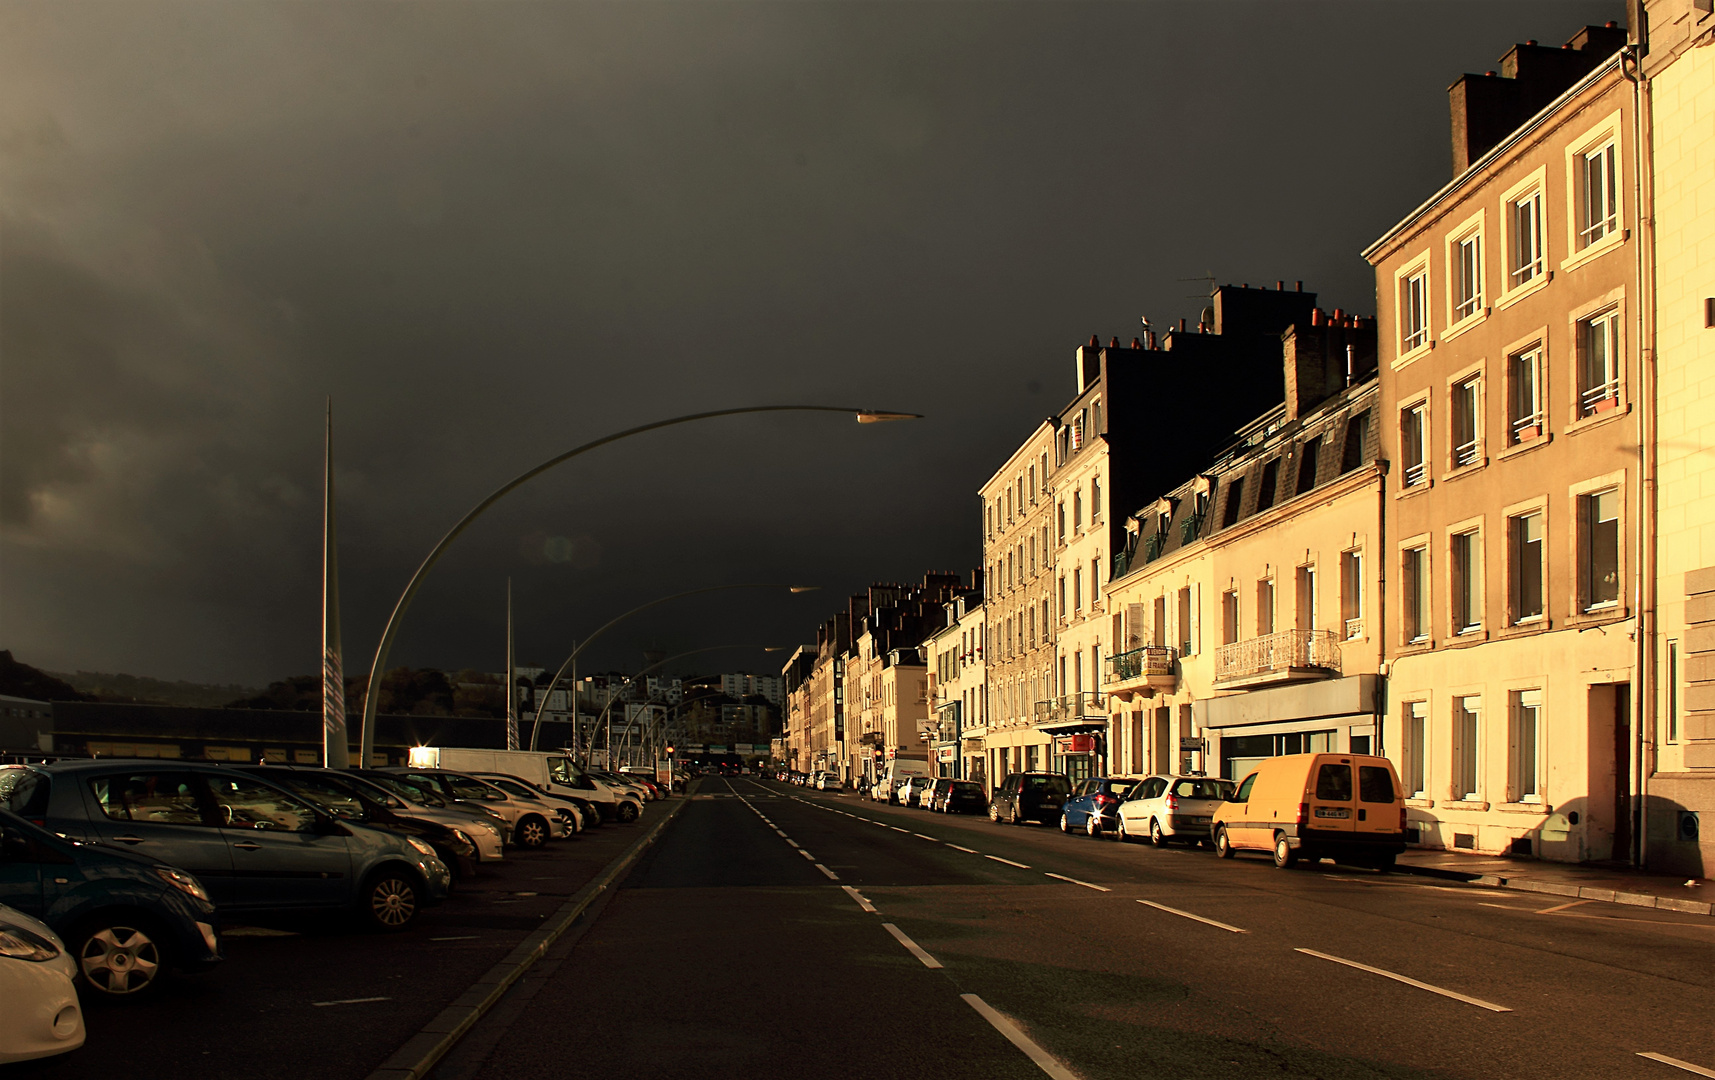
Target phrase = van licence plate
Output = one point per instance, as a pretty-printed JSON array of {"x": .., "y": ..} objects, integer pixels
[{"x": 1333, "y": 812}]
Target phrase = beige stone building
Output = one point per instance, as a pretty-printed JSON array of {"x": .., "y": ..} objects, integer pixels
[
  {"x": 1510, "y": 408},
  {"x": 957, "y": 689},
  {"x": 1018, "y": 577},
  {"x": 1679, "y": 92}
]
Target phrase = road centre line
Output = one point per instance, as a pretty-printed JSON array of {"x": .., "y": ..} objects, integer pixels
[
  {"x": 1075, "y": 881},
  {"x": 1188, "y": 915},
  {"x": 896, "y": 828},
  {"x": 348, "y": 1001},
  {"x": 968, "y": 850},
  {"x": 931, "y": 839},
  {"x": 457, "y": 937},
  {"x": 831, "y": 875},
  {"x": 1044, "y": 1060},
  {"x": 804, "y": 853},
  {"x": 859, "y": 897},
  {"x": 1695, "y": 1070},
  {"x": 1454, "y": 994},
  {"x": 1008, "y": 862},
  {"x": 911, "y": 946}
]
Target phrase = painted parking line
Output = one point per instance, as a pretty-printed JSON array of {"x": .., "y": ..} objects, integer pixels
[
  {"x": 1008, "y": 862},
  {"x": 1695, "y": 1070},
  {"x": 831, "y": 875},
  {"x": 1085, "y": 884},
  {"x": 348, "y": 1001},
  {"x": 1188, "y": 915},
  {"x": 911, "y": 946},
  {"x": 859, "y": 897},
  {"x": 1406, "y": 979},
  {"x": 1043, "y": 1059},
  {"x": 970, "y": 850}
]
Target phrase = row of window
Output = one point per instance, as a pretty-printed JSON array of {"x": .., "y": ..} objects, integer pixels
[
  {"x": 1594, "y": 201},
  {"x": 1466, "y": 756},
  {"x": 1598, "y": 342},
  {"x": 1597, "y": 551},
  {"x": 1311, "y": 470}
]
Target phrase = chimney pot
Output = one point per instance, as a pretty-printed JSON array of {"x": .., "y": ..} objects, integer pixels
[
  {"x": 1488, "y": 74},
  {"x": 1246, "y": 285},
  {"x": 1136, "y": 344},
  {"x": 1315, "y": 316},
  {"x": 1339, "y": 314},
  {"x": 1280, "y": 286},
  {"x": 1532, "y": 41},
  {"x": 1298, "y": 286},
  {"x": 1094, "y": 342},
  {"x": 1114, "y": 342},
  {"x": 1181, "y": 326},
  {"x": 1611, "y": 24}
]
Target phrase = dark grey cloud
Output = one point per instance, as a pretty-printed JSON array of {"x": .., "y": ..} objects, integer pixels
[{"x": 493, "y": 231}]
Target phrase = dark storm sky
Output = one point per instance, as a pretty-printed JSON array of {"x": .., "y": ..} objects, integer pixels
[{"x": 492, "y": 231}]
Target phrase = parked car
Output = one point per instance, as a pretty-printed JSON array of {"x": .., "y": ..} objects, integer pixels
[
  {"x": 42, "y": 1015},
  {"x": 886, "y": 790},
  {"x": 255, "y": 846},
  {"x": 349, "y": 799},
  {"x": 1030, "y": 796},
  {"x": 1348, "y": 807},
  {"x": 127, "y": 919},
  {"x": 487, "y": 827},
  {"x": 565, "y": 806},
  {"x": 949, "y": 796},
  {"x": 566, "y": 777},
  {"x": 1168, "y": 808},
  {"x": 829, "y": 781},
  {"x": 912, "y": 790},
  {"x": 1094, "y": 804},
  {"x": 531, "y": 824}
]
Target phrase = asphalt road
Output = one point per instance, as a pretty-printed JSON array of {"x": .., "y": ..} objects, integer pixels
[{"x": 775, "y": 931}]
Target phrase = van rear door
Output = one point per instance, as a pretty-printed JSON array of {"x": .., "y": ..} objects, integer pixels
[
  {"x": 1379, "y": 803},
  {"x": 1333, "y": 796}
]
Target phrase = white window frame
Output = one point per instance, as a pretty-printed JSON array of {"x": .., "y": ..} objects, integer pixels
[
  {"x": 1585, "y": 239},
  {"x": 1513, "y": 515},
  {"x": 1534, "y": 422},
  {"x": 1523, "y": 772},
  {"x": 1421, "y": 604},
  {"x": 1414, "y": 743},
  {"x": 1463, "y": 312},
  {"x": 1412, "y": 313},
  {"x": 1352, "y": 593},
  {"x": 1522, "y": 270},
  {"x": 1592, "y": 399},
  {"x": 1577, "y": 493},
  {"x": 1468, "y": 453},
  {"x": 1465, "y": 778},
  {"x": 1461, "y": 623}
]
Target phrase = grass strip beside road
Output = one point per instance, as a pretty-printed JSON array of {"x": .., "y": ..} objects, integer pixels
[{"x": 418, "y": 1057}]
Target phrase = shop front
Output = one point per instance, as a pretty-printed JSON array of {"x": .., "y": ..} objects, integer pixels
[
  {"x": 1079, "y": 747},
  {"x": 1332, "y": 716}
]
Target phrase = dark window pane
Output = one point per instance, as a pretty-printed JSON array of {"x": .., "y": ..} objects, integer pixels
[
  {"x": 161, "y": 798},
  {"x": 1374, "y": 784},
  {"x": 1334, "y": 782}
]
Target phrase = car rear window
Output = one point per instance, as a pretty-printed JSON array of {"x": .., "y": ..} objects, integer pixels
[
  {"x": 1057, "y": 784},
  {"x": 965, "y": 787},
  {"x": 1202, "y": 789},
  {"x": 24, "y": 791},
  {"x": 1375, "y": 784},
  {"x": 1117, "y": 787},
  {"x": 1334, "y": 782}
]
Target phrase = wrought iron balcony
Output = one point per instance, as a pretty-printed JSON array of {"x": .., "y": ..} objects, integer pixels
[
  {"x": 1069, "y": 707},
  {"x": 1153, "y": 667},
  {"x": 1279, "y": 657}
]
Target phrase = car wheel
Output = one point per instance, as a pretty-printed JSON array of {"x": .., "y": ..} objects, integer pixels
[
  {"x": 1223, "y": 847},
  {"x": 1093, "y": 826},
  {"x": 1156, "y": 836},
  {"x": 390, "y": 902},
  {"x": 994, "y": 813},
  {"x": 1120, "y": 832},
  {"x": 1065, "y": 822},
  {"x": 1284, "y": 856},
  {"x": 1015, "y": 817},
  {"x": 627, "y": 812},
  {"x": 532, "y": 832},
  {"x": 120, "y": 956}
]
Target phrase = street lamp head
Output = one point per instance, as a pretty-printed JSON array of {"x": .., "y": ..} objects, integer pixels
[
  {"x": 796, "y": 589},
  {"x": 877, "y": 416}
]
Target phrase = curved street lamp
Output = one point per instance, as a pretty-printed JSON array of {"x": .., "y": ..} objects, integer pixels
[
  {"x": 371, "y": 692},
  {"x": 542, "y": 706},
  {"x": 656, "y": 666}
]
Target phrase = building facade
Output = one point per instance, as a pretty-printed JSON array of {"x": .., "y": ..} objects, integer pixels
[{"x": 958, "y": 689}]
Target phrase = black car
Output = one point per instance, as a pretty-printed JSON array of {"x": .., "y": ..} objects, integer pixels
[
  {"x": 350, "y": 799},
  {"x": 957, "y": 797},
  {"x": 125, "y": 918},
  {"x": 1030, "y": 796}
]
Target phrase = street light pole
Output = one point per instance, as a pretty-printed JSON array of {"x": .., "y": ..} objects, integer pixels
[
  {"x": 371, "y": 694},
  {"x": 657, "y": 665}
]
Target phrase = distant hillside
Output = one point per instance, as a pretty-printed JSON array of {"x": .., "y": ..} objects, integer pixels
[{"x": 142, "y": 688}]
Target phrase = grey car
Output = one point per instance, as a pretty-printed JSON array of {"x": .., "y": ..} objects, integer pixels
[{"x": 256, "y": 847}]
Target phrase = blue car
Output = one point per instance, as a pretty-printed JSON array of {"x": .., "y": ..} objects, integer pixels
[
  {"x": 126, "y": 919},
  {"x": 1094, "y": 805},
  {"x": 257, "y": 848}
]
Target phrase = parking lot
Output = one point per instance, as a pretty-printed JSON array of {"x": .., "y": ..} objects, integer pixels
[{"x": 303, "y": 1000}]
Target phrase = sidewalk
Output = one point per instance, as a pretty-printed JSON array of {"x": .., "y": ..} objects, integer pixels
[{"x": 1615, "y": 886}]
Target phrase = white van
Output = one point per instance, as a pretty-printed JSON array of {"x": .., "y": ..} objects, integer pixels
[
  {"x": 899, "y": 770},
  {"x": 551, "y": 770}
]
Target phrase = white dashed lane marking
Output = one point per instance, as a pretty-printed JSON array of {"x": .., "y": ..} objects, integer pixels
[
  {"x": 1407, "y": 980},
  {"x": 911, "y": 946},
  {"x": 1008, "y": 862},
  {"x": 1085, "y": 884},
  {"x": 859, "y": 897}
]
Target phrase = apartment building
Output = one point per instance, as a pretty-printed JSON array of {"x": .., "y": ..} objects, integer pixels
[
  {"x": 1678, "y": 69},
  {"x": 795, "y": 736},
  {"x": 1509, "y": 397},
  {"x": 1241, "y": 595},
  {"x": 1015, "y": 652},
  {"x": 957, "y": 688}
]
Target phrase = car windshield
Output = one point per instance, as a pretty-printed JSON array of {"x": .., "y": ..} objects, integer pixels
[
  {"x": 422, "y": 793},
  {"x": 17, "y": 785},
  {"x": 376, "y": 793}
]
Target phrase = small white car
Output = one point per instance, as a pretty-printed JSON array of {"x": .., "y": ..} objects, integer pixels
[
  {"x": 1168, "y": 808},
  {"x": 42, "y": 1016},
  {"x": 829, "y": 782}
]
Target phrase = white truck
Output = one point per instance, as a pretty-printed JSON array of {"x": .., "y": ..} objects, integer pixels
[
  {"x": 551, "y": 770},
  {"x": 898, "y": 770}
]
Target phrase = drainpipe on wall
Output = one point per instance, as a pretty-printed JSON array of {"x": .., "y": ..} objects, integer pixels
[
  {"x": 1381, "y": 603},
  {"x": 1645, "y": 591}
]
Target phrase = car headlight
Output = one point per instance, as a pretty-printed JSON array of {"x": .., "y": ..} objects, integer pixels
[
  {"x": 421, "y": 847},
  {"x": 469, "y": 844},
  {"x": 182, "y": 881},
  {"x": 495, "y": 814},
  {"x": 21, "y": 944}
]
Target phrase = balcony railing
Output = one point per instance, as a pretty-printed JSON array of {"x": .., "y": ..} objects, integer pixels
[
  {"x": 1070, "y": 707},
  {"x": 1283, "y": 653},
  {"x": 1599, "y": 398},
  {"x": 1149, "y": 660}
]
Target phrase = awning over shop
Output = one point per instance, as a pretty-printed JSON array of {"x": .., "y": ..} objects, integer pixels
[{"x": 1075, "y": 725}]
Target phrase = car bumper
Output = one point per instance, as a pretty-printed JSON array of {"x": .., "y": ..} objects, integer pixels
[{"x": 43, "y": 1017}]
